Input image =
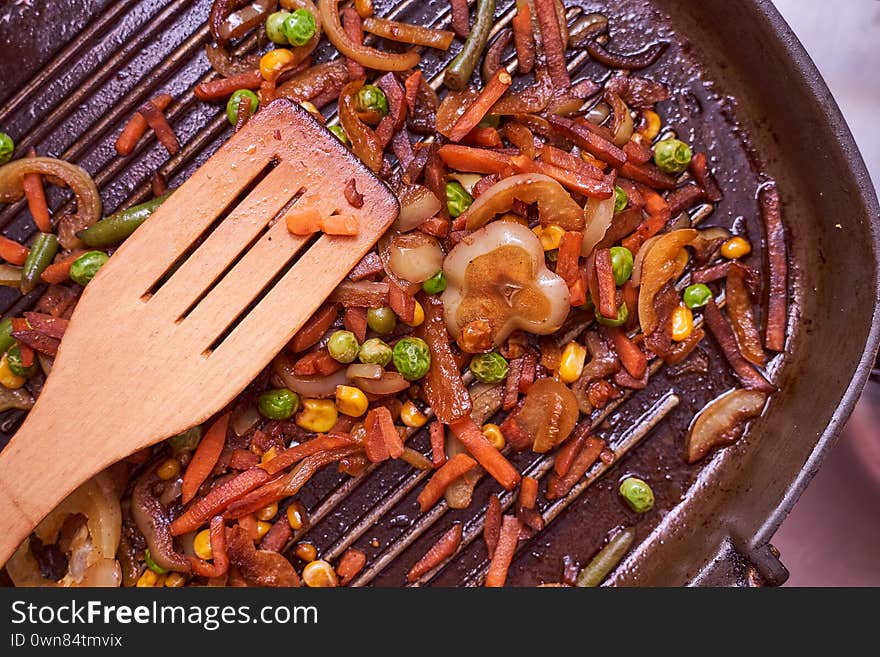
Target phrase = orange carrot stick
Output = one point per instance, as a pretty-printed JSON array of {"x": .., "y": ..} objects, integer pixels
[
  {"x": 504, "y": 551},
  {"x": 477, "y": 160},
  {"x": 304, "y": 222},
  {"x": 494, "y": 89},
  {"x": 492, "y": 526},
  {"x": 220, "y": 558},
  {"x": 483, "y": 137},
  {"x": 438, "y": 444},
  {"x": 218, "y": 499},
  {"x": 351, "y": 563},
  {"x": 607, "y": 302},
  {"x": 528, "y": 492},
  {"x": 297, "y": 453},
  {"x": 205, "y": 458},
  {"x": 568, "y": 256},
  {"x": 490, "y": 458},
  {"x": 58, "y": 272},
  {"x": 137, "y": 127},
  {"x": 12, "y": 252},
  {"x": 633, "y": 358},
  {"x": 524, "y": 37},
  {"x": 157, "y": 121},
  {"x": 444, "y": 548},
  {"x": 440, "y": 480},
  {"x": 571, "y": 180},
  {"x": 27, "y": 354},
  {"x": 36, "y": 198},
  {"x": 249, "y": 524}
]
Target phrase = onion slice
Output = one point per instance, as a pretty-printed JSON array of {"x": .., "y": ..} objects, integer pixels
[{"x": 722, "y": 421}]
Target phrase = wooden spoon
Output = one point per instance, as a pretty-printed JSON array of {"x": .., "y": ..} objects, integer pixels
[{"x": 191, "y": 308}]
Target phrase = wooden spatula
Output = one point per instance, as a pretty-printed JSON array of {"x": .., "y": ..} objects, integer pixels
[{"x": 191, "y": 308}]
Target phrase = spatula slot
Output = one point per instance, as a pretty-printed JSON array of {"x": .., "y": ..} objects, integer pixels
[{"x": 220, "y": 217}]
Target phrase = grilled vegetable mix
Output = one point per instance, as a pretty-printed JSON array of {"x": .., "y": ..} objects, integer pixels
[{"x": 543, "y": 265}]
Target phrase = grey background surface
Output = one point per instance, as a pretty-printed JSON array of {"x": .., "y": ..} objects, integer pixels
[{"x": 832, "y": 537}]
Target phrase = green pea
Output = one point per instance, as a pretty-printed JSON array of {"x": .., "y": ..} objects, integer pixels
[
  {"x": 340, "y": 134},
  {"x": 235, "y": 100},
  {"x": 672, "y": 156},
  {"x": 622, "y": 316},
  {"x": 375, "y": 352},
  {"x": 489, "y": 368},
  {"x": 343, "y": 346},
  {"x": 152, "y": 565},
  {"x": 436, "y": 284},
  {"x": 43, "y": 250},
  {"x": 637, "y": 494},
  {"x": 13, "y": 359},
  {"x": 489, "y": 121},
  {"x": 371, "y": 98},
  {"x": 6, "y": 339},
  {"x": 412, "y": 358},
  {"x": 186, "y": 441},
  {"x": 86, "y": 266},
  {"x": 381, "y": 320},
  {"x": 697, "y": 296},
  {"x": 278, "y": 404},
  {"x": 275, "y": 27},
  {"x": 457, "y": 199},
  {"x": 621, "y": 200},
  {"x": 7, "y": 148},
  {"x": 621, "y": 264},
  {"x": 300, "y": 27}
]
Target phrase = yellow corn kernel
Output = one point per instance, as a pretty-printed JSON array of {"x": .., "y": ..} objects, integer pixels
[
  {"x": 318, "y": 415},
  {"x": 307, "y": 552},
  {"x": 652, "y": 125},
  {"x": 682, "y": 323},
  {"x": 169, "y": 469},
  {"x": 515, "y": 218},
  {"x": 295, "y": 516},
  {"x": 148, "y": 579},
  {"x": 412, "y": 417},
  {"x": 736, "y": 247},
  {"x": 351, "y": 401},
  {"x": 268, "y": 455},
  {"x": 263, "y": 528},
  {"x": 274, "y": 62},
  {"x": 8, "y": 379},
  {"x": 571, "y": 364},
  {"x": 418, "y": 316},
  {"x": 202, "y": 545},
  {"x": 174, "y": 581},
  {"x": 550, "y": 236},
  {"x": 267, "y": 512},
  {"x": 495, "y": 435},
  {"x": 319, "y": 574}
]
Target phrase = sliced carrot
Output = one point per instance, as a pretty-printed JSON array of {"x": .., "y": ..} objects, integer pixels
[
  {"x": 490, "y": 458},
  {"x": 351, "y": 563},
  {"x": 340, "y": 224},
  {"x": 137, "y": 127},
  {"x": 523, "y": 37},
  {"x": 402, "y": 303},
  {"x": 652, "y": 225},
  {"x": 58, "y": 272},
  {"x": 355, "y": 320},
  {"x": 36, "y": 198},
  {"x": 607, "y": 302},
  {"x": 578, "y": 290},
  {"x": 249, "y": 524},
  {"x": 568, "y": 256},
  {"x": 508, "y": 539},
  {"x": 559, "y": 486},
  {"x": 494, "y": 89},
  {"x": 528, "y": 492},
  {"x": 316, "y": 362},
  {"x": 483, "y": 137},
  {"x": 289, "y": 457},
  {"x": 157, "y": 121},
  {"x": 444, "y": 548},
  {"x": 304, "y": 222},
  {"x": 223, "y": 87},
  {"x": 278, "y": 536},
  {"x": 205, "y": 458},
  {"x": 477, "y": 160},
  {"x": 560, "y": 158},
  {"x": 571, "y": 448},
  {"x": 382, "y": 440},
  {"x": 440, "y": 480},
  {"x": 571, "y": 180},
  {"x": 12, "y": 252},
  {"x": 634, "y": 359},
  {"x": 438, "y": 444},
  {"x": 492, "y": 525},
  {"x": 27, "y": 355},
  {"x": 220, "y": 558},
  {"x": 314, "y": 329},
  {"x": 437, "y": 226}
]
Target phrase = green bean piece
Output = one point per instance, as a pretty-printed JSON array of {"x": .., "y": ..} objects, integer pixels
[
  {"x": 460, "y": 69},
  {"x": 6, "y": 339},
  {"x": 43, "y": 250},
  {"x": 117, "y": 227},
  {"x": 7, "y": 148},
  {"x": 608, "y": 558},
  {"x": 86, "y": 266},
  {"x": 13, "y": 359}
]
